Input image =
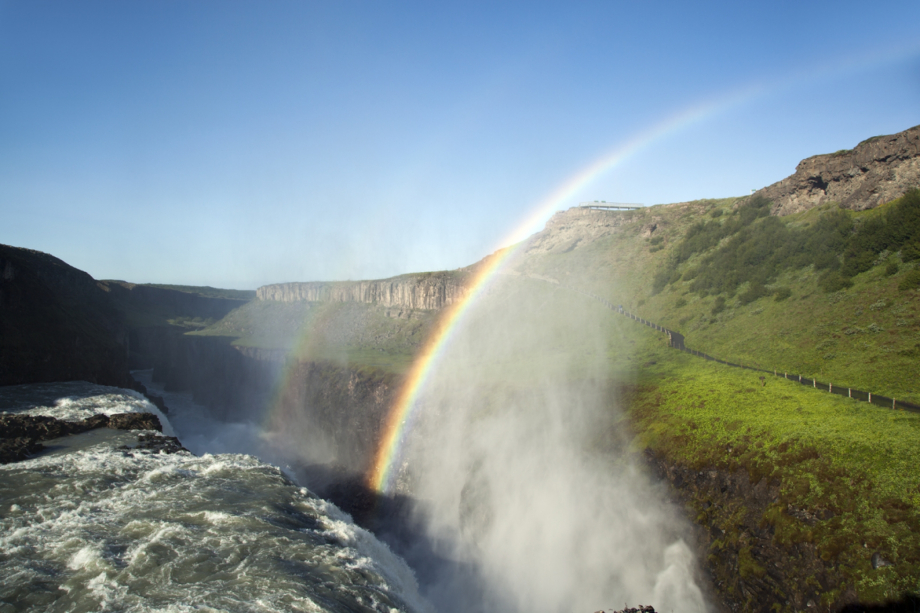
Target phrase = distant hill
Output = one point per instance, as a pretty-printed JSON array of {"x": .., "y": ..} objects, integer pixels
[{"x": 207, "y": 291}]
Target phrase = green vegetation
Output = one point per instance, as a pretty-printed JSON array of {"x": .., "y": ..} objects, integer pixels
[
  {"x": 208, "y": 291},
  {"x": 193, "y": 323},
  {"x": 751, "y": 247},
  {"x": 847, "y": 470}
]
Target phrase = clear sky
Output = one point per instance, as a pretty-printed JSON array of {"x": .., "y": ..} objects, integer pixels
[{"x": 236, "y": 144}]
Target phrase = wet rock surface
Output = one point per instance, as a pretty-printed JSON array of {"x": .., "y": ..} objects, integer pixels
[
  {"x": 749, "y": 569},
  {"x": 158, "y": 444},
  {"x": 20, "y": 435}
]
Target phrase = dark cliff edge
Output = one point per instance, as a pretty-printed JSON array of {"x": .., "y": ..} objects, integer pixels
[{"x": 57, "y": 323}]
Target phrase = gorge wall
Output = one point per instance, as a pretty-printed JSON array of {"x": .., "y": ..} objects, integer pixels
[
  {"x": 57, "y": 323},
  {"x": 325, "y": 409},
  {"x": 430, "y": 291},
  {"x": 876, "y": 171}
]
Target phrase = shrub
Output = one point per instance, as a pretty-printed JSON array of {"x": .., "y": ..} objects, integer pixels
[
  {"x": 716, "y": 213},
  {"x": 781, "y": 294},
  {"x": 719, "y": 305},
  {"x": 910, "y": 252},
  {"x": 891, "y": 269},
  {"x": 754, "y": 292},
  {"x": 910, "y": 281},
  {"x": 681, "y": 302},
  {"x": 834, "y": 282}
]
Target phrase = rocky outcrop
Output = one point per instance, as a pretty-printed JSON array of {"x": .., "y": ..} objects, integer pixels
[
  {"x": 57, "y": 323},
  {"x": 430, "y": 291},
  {"x": 20, "y": 434},
  {"x": 876, "y": 171},
  {"x": 576, "y": 227}
]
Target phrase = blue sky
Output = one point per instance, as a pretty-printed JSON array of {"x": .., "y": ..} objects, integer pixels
[{"x": 236, "y": 144}]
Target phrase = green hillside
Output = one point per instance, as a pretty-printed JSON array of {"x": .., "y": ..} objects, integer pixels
[{"x": 826, "y": 293}]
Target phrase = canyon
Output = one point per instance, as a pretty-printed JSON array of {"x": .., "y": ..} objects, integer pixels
[{"x": 60, "y": 324}]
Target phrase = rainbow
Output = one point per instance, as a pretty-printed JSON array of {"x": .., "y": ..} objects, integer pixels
[{"x": 403, "y": 412}]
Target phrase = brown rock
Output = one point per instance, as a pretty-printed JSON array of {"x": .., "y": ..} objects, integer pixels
[
  {"x": 876, "y": 171},
  {"x": 135, "y": 421}
]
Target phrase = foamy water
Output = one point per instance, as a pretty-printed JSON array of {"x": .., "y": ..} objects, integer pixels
[{"x": 100, "y": 528}]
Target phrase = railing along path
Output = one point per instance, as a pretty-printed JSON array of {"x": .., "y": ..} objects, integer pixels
[{"x": 676, "y": 341}]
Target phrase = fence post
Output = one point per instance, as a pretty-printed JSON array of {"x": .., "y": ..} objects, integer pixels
[
  {"x": 892, "y": 403},
  {"x": 800, "y": 378},
  {"x": 830, "y": 387},
  {"x": 785, "y": 375},
  {"x": 870, "y": 397},
  {"x": 849, "y": 392},
  {"x": 814, "y": 383}
]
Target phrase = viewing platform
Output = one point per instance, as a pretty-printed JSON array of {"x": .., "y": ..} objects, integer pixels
[{"x": 603, "y": 205}]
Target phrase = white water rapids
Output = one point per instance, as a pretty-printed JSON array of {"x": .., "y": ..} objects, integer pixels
[{"x": 86, "y": 526}]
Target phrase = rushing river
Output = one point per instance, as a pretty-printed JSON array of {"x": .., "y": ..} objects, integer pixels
[{"x": 91, "y": 524}]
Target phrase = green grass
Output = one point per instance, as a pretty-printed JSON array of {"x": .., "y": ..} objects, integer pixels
[
  {"x": 866, "y": 336},
  {"x": 851, "y": 462}
]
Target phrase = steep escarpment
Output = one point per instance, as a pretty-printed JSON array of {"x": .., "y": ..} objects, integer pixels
[
  {"x": 876, "y": 171},
  {"x": 57, "y": 323},
  {"x": 327, "y": 412},
  {"x": 428, "y": 291}
]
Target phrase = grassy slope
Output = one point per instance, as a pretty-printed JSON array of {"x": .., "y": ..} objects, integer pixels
[
  {"x": 851, "y": 463},
  {"x": 865, "y": 337}
]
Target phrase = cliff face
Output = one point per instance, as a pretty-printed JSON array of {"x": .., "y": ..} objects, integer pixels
[
  {"x": 329, "y": 412},
  {"x": 429, "y": 291},
  {"x": 57, "y": 323},
  {"x": 876, "y": 171}
]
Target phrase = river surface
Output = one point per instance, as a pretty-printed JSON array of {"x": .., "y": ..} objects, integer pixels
[{"x": 92, "y": 524}]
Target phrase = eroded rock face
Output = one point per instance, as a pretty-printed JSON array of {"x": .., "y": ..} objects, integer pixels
[
  {"x": 576, "y": 227},
  {"x": 430, "y": 291},
  {"x": 876, "y": 171}
]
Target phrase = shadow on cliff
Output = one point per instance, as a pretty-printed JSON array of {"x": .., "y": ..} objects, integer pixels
[{"x": 909, "y": 603}]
